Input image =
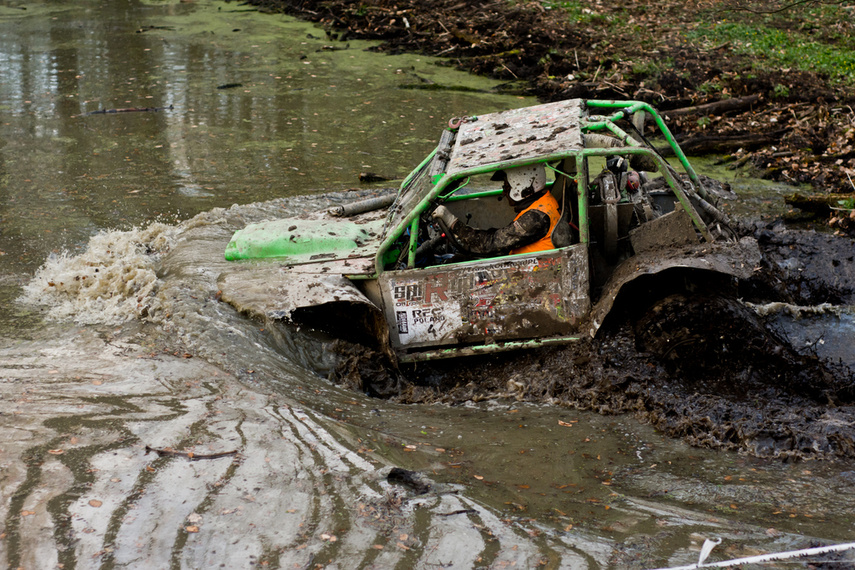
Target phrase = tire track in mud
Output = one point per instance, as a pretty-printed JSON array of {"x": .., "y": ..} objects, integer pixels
[
  {"x": 328, "y": 509},
  {"x": 296, "y": 494}
]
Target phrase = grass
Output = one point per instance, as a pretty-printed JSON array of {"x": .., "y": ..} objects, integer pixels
[
  {"x": 812, "y": 36},
  {"x": 782, "y": 48},
  {"x": 578, "y": 12}
]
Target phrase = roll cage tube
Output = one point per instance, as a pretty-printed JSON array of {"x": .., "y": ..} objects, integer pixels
[
  {"x": 629, "y": 108},
  {"x": 625, "y": 109},
  {"x": 411, "y": 219},
  {"x": 673, "y": 183}
]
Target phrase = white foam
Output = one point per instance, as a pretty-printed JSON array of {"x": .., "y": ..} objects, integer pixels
[
  {"x": 795, "y": 311},
  {"x": 112, "y": 282}
]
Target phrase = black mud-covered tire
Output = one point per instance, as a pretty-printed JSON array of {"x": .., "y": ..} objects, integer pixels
[{"x": 706, "y": 337}]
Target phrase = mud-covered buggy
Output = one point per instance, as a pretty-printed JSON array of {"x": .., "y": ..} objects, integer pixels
[{"x": 633, "y": 227}]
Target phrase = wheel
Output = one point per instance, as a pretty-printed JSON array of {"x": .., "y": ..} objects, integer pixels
[{"x": 713, "y": 341}]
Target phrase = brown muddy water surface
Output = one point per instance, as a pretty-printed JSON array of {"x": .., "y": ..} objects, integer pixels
[{"x": 112, "y": 228}]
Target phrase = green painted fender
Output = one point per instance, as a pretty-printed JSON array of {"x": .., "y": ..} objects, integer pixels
[{"x": 305, "y": 241}]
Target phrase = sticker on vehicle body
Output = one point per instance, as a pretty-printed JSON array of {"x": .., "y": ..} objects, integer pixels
[{"x": 517, "y": 298}]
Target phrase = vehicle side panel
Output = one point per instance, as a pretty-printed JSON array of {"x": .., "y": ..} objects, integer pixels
[{"x": 508, "y": 298}]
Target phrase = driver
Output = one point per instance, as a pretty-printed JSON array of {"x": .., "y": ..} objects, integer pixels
[{"x": 531, "y": 230}]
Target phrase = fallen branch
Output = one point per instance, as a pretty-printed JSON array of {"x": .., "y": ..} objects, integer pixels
[
  {"x": 817, "y": 203},
  {"x": 708, "y": 144},
  {"x": 127, "y": 110},
  {"x": 167, "y": 452},
  {"x": 738, "y": 163},
  {"x": 458, "y": 512},
  {"x": 716, "y": 107}
]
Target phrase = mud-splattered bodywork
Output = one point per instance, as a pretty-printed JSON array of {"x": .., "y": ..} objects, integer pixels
[
  {"x": 420, "y": 299},
  {"x": 533, "y": 296}
]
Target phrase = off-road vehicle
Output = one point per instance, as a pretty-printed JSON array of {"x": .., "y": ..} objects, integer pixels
[{"x": 634, "y": 226}]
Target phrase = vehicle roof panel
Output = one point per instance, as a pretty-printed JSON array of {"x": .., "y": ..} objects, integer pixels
[{"x": 528, "y": 132}]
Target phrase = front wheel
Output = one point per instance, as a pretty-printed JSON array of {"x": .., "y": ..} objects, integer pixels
[{"x": 716, "y": 343}]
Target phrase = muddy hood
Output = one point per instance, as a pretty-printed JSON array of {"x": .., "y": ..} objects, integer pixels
[{"x": 298, "y": 241}]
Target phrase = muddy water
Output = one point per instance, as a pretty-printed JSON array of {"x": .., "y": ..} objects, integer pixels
[
  {"x": 826, "y": 329},
  {"x": 112, "y": 228}
]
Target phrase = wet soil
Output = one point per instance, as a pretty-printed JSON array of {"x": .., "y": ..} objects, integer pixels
[
  {"x": 705, "y": 368},
  {"x": 635, "y": 52},
  {"x": 731, "y": 382}
]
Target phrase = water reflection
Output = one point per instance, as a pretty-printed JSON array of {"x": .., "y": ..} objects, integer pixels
[{"x": 300, "y": 115}]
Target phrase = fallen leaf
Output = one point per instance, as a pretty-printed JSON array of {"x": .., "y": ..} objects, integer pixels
[
  {"x": 377, "y": 546},
  {"x": 95, "y": 503},
  {"x": 568, "y": 527},
  {"x": 27, "y": 513},
  {"x": 403, "y": 546},
  {"x": 191, "y": 528},
  {"x": 194, "y": 518},
  {"x": 97, "y": 382},
  {"x": 479, "y": 477},
  {"x": 565, "y": 424},
  {"x": 56, "y": 451}
]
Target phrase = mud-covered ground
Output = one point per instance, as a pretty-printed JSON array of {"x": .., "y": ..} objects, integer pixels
[
  {"x": 741, "y": 385},
  {"x": 631, "y": 50},
  {"x": 708, "y": 369}
]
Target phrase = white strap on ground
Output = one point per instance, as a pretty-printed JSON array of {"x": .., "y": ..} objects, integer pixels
[{"x": 764, "y": 557}]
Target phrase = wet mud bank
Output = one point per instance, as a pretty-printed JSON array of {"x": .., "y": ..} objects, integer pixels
[
  {"x": 714, "y": 371},
  {"x": 803, "y": 137}
]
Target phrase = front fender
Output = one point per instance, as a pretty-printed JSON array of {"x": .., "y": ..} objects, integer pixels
[
  {"x": 329, "y": 303},
  {"x": 735, "y": 259}
]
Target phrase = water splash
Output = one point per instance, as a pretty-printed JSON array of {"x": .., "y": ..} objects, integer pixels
[{"x": 113, "y": 281}]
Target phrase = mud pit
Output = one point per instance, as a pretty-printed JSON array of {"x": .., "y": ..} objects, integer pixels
[
  {"x": 789, "y": 403},
  {"x": 707, "y": 369}
]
